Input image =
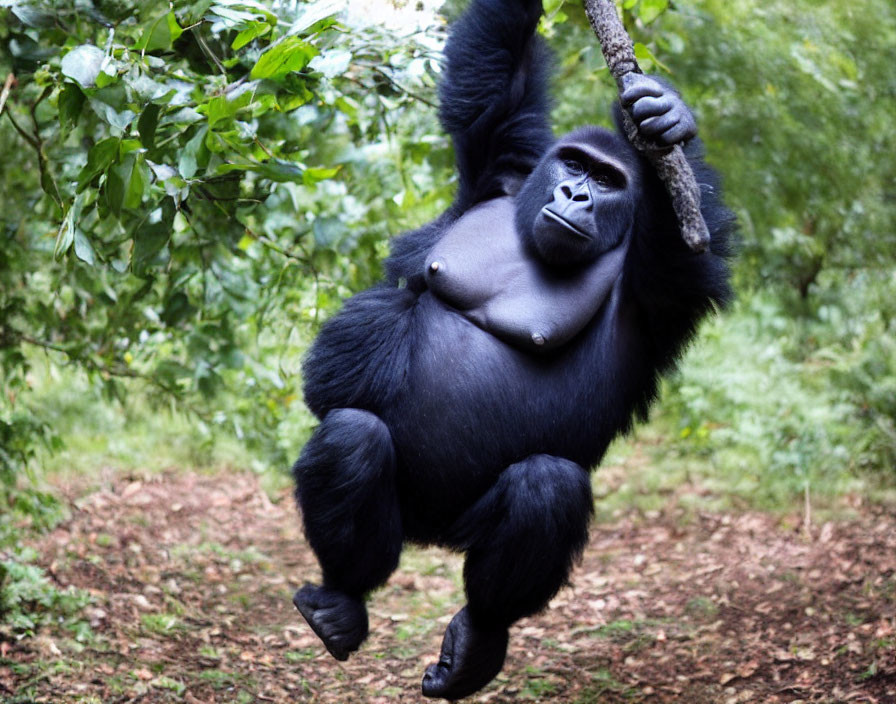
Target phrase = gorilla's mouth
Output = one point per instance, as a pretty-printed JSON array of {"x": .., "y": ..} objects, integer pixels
[{"x": 566, "y": 224}]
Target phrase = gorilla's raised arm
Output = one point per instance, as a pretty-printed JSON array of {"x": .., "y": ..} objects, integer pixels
[{"x": 494, "y": 96}]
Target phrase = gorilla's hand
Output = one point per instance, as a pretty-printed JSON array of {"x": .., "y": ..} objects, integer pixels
[{"x": 658, "y": 111}]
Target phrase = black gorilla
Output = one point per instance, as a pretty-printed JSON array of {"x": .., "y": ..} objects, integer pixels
[{"x": 463, "y": 400}]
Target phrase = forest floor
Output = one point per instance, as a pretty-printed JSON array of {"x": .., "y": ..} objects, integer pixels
[{"x": 191, "y": 578}]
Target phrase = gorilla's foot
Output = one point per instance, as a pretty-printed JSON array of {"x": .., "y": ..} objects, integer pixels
[
  {"x": 338, "y": 619},
  {"x": 470, "y": 659}
]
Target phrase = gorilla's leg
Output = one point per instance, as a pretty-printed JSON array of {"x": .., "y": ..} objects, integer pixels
[
  {"x": 345, "y": 486},
  {"x": 522, "y": 539}
]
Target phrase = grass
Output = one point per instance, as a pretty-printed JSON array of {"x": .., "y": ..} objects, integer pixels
[
  {"x": 159, "y": 624},
  {"x": 220, "y": 679},
  {"x": 98, "y": 434},
  {"x": 702, "y": 609},
  {"x": 297, "y": 656},
  {"x": 537, "y": 686},
  {"x": 747, "y": 423},
  {"x": 603, "y": 684}
]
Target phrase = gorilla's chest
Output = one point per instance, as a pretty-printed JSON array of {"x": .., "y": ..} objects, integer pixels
[{"x": 481, "y": 268}]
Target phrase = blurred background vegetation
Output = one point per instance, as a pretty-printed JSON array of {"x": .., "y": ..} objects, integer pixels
[{"x": 189, "y": 190}]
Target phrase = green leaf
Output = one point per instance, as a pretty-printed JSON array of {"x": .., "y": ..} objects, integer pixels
[
  {"x": 314, "y": 12},
  {"x": 295, "y": 95},
  {"x": 169, "y": 179},
  {"x": 274, "y": 170},
  {"x": 66, "y": 235},
  {"x": 107, "y": 76},
  {"x": 236, "y": 18},
  {"x": 126, "y": 146},
  {"x": 646, "y": 58},
  {"x": 31, "y": 16},
  {"x": 83, "y": 64},
  {"x": 651, "y": 9},
  {"x": 133, "y": 197},
  {"x": 119, "y": 119},
  {"x": 48, "y": 184},
  {"x": 224, "y": 107},
  {"x": 317, "y": 174},
  {"x": 291, "y": 54},
  {"x": 148, "y": 90},
  {"x": 147, "y": 124},
  {"x": 149, "y": 240},
  {"x": 71, "y": 103},
  {"x": 98, "y": 159},
  {"x": 115, "y": 96},
  {"x": 189, "y": 158},
  {"x": 253, "y": 31},
  {"x": 117, "y": 178},
  {"x": 126, "y": 183},
  {"x": 160, "y": 34},
  {"x": 83, "y": 248}
]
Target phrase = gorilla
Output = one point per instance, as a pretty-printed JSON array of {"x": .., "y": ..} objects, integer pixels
[{"x": 463, "y": 400}]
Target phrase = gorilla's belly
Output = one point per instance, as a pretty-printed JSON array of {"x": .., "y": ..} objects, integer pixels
[{"x": 483, "y": 404}]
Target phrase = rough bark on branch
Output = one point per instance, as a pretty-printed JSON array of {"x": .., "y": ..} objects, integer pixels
[{"x": 671, "y": 164}]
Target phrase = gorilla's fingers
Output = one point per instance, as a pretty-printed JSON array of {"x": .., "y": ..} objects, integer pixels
[
  {"x": 640, "y": 86},
  {"x": 653, "y": 126},
  {"x": 651, "y": 107},
  {"x": 684, "y": 130}
]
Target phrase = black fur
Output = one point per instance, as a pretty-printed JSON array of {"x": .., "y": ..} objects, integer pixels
[{"x": 436, "y": 432}]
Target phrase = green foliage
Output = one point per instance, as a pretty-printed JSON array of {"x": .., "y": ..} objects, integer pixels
[
  {"x": 28, "y": 599},
  {"x": 796, "y": 98},
  {"x": 763, "y": 418},
  {"x": 202, "y": 227}
]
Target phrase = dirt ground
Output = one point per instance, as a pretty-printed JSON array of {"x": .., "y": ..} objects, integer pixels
[{"x": 191, "y": 579}]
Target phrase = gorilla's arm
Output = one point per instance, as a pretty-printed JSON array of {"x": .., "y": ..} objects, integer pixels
[
  {"x": 493, "y": 95},
  {"x": 673, "y": 286},
  {"x": 494, "y": 104}
]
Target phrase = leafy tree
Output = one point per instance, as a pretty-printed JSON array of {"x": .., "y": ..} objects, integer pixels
[
  {"x": 192, "y": 189},
  {"x": 180, "y": 201}
]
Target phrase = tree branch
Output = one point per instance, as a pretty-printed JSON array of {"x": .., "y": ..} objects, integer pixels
[
  {"x": 7, "y": 86},
  {"x": 671, "y": 164}
]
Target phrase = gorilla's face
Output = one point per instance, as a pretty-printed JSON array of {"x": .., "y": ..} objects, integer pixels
[{"x": 580, "y": 200}]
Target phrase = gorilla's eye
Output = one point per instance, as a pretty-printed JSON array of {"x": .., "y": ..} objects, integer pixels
[
  {"x": 607, "y": 177},
  {"x": 574, "y": 167}
]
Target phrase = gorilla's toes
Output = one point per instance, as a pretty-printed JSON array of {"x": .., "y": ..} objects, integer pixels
[
  {"x": 470, "y": 659},
  {"x": 338, "y": 619}
]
